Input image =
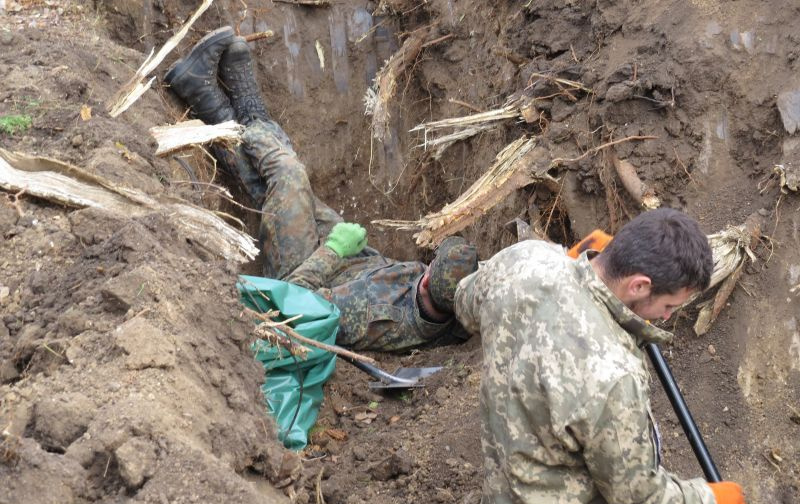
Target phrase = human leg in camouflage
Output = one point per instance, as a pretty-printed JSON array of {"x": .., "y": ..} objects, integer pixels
[{"x": 288, "y": 232}]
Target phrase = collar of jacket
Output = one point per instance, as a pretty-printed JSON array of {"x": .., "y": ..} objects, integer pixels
[
  {"x": 643, "y": 331},
  {"x": 423, "y": 324}
]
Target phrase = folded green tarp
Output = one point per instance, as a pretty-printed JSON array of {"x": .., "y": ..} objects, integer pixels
[{"x": 293, "y": 387}]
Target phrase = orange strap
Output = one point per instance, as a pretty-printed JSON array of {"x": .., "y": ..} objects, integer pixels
[
  {"x": 727, "y": 492},
  {"x": 596, "y": 240}
]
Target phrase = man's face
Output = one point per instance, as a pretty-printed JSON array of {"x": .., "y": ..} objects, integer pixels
[{"x": 659, "y": 306}]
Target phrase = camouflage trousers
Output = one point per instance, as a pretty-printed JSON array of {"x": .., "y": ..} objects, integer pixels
[{"x": 294, "y": 219}]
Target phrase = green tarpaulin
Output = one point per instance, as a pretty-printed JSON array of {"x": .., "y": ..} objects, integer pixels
[{"x": 293, "y": 387}]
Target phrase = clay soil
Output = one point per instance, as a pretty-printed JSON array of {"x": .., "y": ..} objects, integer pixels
[{"x": 125, "y": 373}]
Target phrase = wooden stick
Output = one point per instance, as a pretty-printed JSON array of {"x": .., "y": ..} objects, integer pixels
[
  {"x": 641, "y": 192},
  {"x": 386, "y": 80},
  {"x": 593, "y": 150},
  {"x": 173, "y": 137},
  {"x": 570, "y": 83},
  {"x": 313, "y": 3},
  {"x": 16, "y": 200},
  {"x": 224, "y": 194},
  {"x": 260, "y": 35},
  {"x": 308, "y": 341},
  {"x": 437, "y": 40},
  {"x": 466, "y": 105}
]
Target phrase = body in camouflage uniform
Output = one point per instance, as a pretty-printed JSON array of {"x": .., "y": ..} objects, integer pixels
[
  {"x": 564, "y": 398},
  {"x": 376, "y": 296}
]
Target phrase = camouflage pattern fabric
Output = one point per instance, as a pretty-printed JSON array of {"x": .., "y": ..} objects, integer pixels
[
  {"x": 564, "y": 398},
  {"x": 288, "y": 231},
  {"x": 375, "y": 295},
  {"x": 234, "y": 161},
  {"x": 454, "y": 260}
]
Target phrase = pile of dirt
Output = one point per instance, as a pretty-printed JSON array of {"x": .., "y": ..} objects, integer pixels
[
  {"x": 125, "y": 364},
  {"x": 123, "y": 358}
]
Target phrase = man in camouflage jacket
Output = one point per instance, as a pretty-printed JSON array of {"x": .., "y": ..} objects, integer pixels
[
  {"x": 385, "y": 304},
  {"x": 564, "y": 392}
]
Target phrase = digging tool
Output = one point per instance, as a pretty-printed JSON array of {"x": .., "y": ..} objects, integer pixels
[
  {"x": 684, "y": 415},
  {"x": 402, "y": 378}
]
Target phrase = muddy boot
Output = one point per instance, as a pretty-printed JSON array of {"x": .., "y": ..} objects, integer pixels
[
  {"x": 239, "y": 81},
  {"x": 194, "y": 78}
]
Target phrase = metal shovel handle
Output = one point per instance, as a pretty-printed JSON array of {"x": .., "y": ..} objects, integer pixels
[{"x": 684, "y": 415}]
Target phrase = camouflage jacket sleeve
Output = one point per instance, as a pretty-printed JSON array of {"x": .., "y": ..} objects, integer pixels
[
  {"x": 315, "y": 272},
  {"x": 621, "y": 454},
  {"x": 467, "y": 303}
]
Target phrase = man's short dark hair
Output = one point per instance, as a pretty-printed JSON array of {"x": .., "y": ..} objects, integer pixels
[{"x": 665, "y": 245}]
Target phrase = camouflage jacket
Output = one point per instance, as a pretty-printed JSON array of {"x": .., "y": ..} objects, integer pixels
[
  {"x": 564, "y": 394},
  {"x": 376, "y": 297}
]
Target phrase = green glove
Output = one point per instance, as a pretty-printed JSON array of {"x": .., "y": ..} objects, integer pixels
[{"x": 347, "y": 239}]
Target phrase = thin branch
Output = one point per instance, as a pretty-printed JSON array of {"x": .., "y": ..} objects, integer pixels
[
  {"x": 308, "y": 341},
  {"x": 15, "y": 202},
  {"x": 312, "y": 3},
  {"x": 224, "y": 195},
  {"x": 565, "y": 82},
  {"x": 260, "y": 35},
  {"x": 437, "y": 40},
  {"x": 606, "y": 145},
  {"x": 466, "y": 105},
  {"x": 682, "y": 165}
]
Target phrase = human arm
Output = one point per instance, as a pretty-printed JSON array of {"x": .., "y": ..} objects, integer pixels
[
  {"x": 345, "y": 240},
  {"x": 315, "y": 272},
  {"x": 620, "y": 451},
  {"x": 467, "y": 302}
]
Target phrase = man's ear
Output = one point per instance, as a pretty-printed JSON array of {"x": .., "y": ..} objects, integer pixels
[{"x": 639, "y": 287}]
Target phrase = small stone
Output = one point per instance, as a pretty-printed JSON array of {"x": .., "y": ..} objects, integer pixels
[
  {"x": 146, "y": 345},
  {"x": 712, "y": 350},
  {"x": 5, "y": 292},
  {"x": 443, "y": 495},
  {"x": 619, "y": 92},
  {"x": 291, "y": 466},
  {"x": 396, "y": 464},
  {"x": 441, "y": 395},
  {"x": 789, "y": 107},
  {"x": 7, "y": 38},
  {"x": 77, "y": 140},
  {"x": 27, "y": 221},
  {"x": 333, "y": 447},
  {"x": 8, "y": 371},
  {"x": 137, "y": 461},
  {"x": 359, "y": 453}
]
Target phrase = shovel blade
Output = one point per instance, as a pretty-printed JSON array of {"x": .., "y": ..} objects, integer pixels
[{"x": 411, "y": 378}]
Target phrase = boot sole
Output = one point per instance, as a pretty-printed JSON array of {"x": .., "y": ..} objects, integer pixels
[{"x": 180, "y": 67}]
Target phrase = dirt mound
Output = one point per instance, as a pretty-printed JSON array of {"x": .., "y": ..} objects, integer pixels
[
  {"x": 125, "y": 366},
  {"x": 124, "y": 362}
]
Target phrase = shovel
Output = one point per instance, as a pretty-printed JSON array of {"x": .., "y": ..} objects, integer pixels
[
  {"x": 684, "y": 415},
  {"x": 403, "y": 378}
]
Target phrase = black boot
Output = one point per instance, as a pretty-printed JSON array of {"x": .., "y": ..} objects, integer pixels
[
  {"x": 236, "y": 73},
  {"x": 194, "y": 78}
]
